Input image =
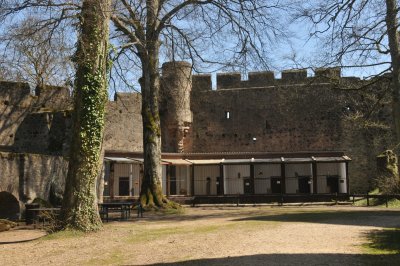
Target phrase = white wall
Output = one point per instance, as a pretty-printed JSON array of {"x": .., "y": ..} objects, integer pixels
[
  {"x": 201, "y": 172},
  {"x": 302, "y": 169},
  {"x": 182, "y": 176},
  {"x": 292, "y": 172},
  {"x": 327, "y": 169},
  {"x": 164, "y": 179},
  {"x": 127, "y": 170},
  {"x": 292, "y": 185},
  {"x": 262, "y": 177},
  {"x": 342, "y": 178},
  {"x": 233, "y": 178}
]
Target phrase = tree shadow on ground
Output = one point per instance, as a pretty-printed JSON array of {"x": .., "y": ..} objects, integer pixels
[
  {"x": 385, "y": 241},
  {"x": 388, "y": 219},
  {"x": 295, "y": 259}
]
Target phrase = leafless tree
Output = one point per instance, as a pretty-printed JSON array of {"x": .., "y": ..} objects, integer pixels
[
  {"x": 359, "y": 34},
  {"x": 34, "y": 57},
  {"x": 224, "y": 32}
]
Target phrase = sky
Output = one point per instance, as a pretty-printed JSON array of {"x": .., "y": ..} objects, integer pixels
[{"x": 296, "y": 52}]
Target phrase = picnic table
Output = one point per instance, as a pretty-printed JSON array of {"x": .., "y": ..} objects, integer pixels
[{"x": 123, "y": 207}]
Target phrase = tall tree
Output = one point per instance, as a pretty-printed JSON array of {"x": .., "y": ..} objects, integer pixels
[
  {"x": 188, "y": 30},
  {"x": 79, "y": 210},
  {"x": 393, "y": 39}
]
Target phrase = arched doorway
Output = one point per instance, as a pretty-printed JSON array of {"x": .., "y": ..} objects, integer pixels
[{"x": 9, "y": 206}]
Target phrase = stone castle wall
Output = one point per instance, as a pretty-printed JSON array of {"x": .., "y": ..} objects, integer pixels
[
  {"x": 123, "y": 128},
  {"x": 291, "y": 114},
  {"x": 29, "y": 176}
]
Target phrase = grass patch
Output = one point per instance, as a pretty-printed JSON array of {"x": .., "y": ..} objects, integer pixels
[
  {"x": 153, "y": 234},
  {"x": 66, "y": 234},
  {"x": 392, "y": 203},
  {"x": 114, "y": 258},
  {"x": 383, "y": 242},
  {"x": 140, "y": 235},
  {"x": 172, "y": 211}
]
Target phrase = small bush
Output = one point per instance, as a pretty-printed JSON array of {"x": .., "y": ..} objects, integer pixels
[
  {"x": 6, "y": 225},
  {"x": 388, "y": 184}
]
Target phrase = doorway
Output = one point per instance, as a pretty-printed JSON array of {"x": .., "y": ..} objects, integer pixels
[
  {"x": 123, "y": 186},
  {"x": 248, "y": 185},
  {"x": 304, "y": 185},
  {"x": 332, "y": 182},
  {"x": 276, "y": 186}
]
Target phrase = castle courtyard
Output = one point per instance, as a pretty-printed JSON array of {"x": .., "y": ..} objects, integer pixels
[{"x": 220, "y": 235}]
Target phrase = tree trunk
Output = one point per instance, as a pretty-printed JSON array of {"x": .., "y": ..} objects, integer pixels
[
  {"x": 79, "y": 210},
  {"x": 391, "y": 24},
  {"x": 151, "y": 191}
]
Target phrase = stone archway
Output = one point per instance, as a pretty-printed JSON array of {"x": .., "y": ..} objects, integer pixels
[{"x": 9, "y": 206}]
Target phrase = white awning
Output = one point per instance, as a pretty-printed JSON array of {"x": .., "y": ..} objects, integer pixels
[
  {"x": 272, "y": 160},
  {"x": 205, "y": 162},
  {"x": 333, "y": 159},
  {"x": 237, "y": 161},
  {"x": 299, "y": 160},
  {"x": 176, "y": 161},
  {"x": 121, "y": 160}
]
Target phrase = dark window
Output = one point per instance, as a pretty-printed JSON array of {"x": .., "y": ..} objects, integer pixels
[
  {"x": 124, "y": 186},
  {"x": 332, "y": 183}
]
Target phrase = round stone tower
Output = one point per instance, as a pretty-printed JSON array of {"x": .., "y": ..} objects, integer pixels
[{"x": 175, "y": 113}]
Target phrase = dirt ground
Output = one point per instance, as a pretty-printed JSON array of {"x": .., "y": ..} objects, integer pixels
[{"x": 262, "y": 235}]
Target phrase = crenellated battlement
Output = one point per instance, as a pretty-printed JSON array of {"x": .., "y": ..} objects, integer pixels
[
  {"x": 12, "y": 93},
  {"x": 233, "y": 80}
]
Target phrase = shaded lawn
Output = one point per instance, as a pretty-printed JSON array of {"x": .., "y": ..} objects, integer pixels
[
  {"x": 349, "y": 217},
  {"x": 385, "y": 241},
  {"x": 293, "y": 259}
]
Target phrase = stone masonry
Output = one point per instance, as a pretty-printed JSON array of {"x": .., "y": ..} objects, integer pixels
[{"x": 296, "y": 113}]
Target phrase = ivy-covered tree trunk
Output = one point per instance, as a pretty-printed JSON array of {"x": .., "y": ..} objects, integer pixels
[
  {"x": 151, "y": 192},
  {"x": 393, "y": 38},
  {"x": 79, "y": 210}
]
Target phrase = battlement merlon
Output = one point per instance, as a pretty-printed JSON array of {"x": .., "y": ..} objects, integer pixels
[
  {"x": 54, "y": 98},
  {"x": 201, "y": 82},
  {"x": 14, "y": 91},
  {"x": 328, "y": 73},
  {"x": 294, "y": 75}
]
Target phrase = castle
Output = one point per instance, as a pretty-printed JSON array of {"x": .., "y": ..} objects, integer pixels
[{"x": 263, "y": 135}]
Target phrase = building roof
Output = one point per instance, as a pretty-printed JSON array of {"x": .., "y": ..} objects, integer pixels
[{"x": 187, "y": 160}]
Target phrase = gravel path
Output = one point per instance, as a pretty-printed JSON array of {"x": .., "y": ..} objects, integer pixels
[{"x": 216, "y": 236}]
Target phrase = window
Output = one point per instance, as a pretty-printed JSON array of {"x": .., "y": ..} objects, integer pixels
[
  {"x": 227, "y": 115},
  {"x": 124, "y": 186}
]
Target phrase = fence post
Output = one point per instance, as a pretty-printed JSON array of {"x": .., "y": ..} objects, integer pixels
[
  {"x": 353, "y": 199},
  {"x": 336, "y": 198},
  {"x": 386, "y": 197},
  {"x": 368, "y": 199}
]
